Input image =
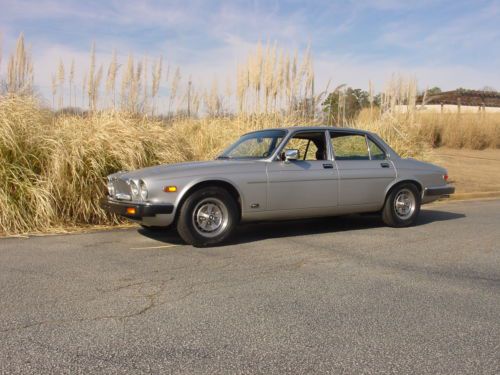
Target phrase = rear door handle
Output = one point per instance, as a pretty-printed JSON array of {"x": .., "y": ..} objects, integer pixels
[
  {"x": 327, "y": 166},
  {"x": 384, "y": 165}
]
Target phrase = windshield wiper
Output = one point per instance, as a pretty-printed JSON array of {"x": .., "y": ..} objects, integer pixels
[{"x": 223, "y": 157}]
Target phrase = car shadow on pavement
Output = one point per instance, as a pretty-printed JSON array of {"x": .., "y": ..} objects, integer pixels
[
  {"x": 431, "y": 216},
  {"x": 169, "y": 235},
  {"x": 278, "y": 229}
]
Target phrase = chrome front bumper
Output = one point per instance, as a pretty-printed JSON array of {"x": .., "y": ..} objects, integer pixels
[{"x": 142, "y": 210}]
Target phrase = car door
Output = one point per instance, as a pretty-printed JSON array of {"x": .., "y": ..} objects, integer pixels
[
  {"x": 309, "y": 182},
  {"x": 363, "y": 167}
]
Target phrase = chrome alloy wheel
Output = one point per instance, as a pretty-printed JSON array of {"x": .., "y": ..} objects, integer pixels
[
  {"x": 210, "y": 217},
  {"x": 404, "y": 204}
]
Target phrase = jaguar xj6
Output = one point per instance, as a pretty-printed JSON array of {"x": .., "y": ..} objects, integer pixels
[{"x": 274, "y": 174}]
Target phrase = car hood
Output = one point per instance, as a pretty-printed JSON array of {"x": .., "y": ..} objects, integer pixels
[{"x": 185, "y": 169}]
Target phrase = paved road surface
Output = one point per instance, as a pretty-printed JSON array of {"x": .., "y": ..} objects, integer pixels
[{"x": 342, "y": 296}]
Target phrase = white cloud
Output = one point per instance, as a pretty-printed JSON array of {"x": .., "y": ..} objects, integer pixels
[{"x": 207, "y": 39}]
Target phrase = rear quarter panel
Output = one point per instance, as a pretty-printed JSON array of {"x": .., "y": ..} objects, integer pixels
[{"x": 425, "y": 174}]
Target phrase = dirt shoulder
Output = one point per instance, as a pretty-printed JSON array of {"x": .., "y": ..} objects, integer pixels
[{"x": 474, "y": 173}]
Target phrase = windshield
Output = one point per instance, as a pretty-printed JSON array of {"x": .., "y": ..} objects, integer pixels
[{"x": 258, "y": 145}]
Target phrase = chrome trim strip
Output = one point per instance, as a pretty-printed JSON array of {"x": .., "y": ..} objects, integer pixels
[{"x": 123, "y": 197}]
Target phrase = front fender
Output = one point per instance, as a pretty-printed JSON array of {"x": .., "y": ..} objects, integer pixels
[{"x": 192, "y": 183}]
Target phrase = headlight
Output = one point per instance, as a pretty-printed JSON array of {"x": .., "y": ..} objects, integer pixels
[
  {"x": 111, "y": 188},
  {"x": 143, "y": 190},
  {"x": 134, "y": 189}
]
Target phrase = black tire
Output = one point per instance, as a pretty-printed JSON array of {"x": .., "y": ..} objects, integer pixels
[
  {"x": 201, "y": 212},
  {"x": 407, "y": 197}
]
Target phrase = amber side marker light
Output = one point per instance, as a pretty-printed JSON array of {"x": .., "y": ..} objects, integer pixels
[
  {"x": 170, "y": 189},
  {"x": 131, "y": 211}
]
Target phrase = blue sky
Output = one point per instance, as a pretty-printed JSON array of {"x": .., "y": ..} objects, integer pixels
[{"x": 446, "y": 43}]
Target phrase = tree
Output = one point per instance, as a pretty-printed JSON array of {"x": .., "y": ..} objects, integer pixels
[
  {"x": 434, "y": 90},
  {"x": 488, "y": 89},
  {"x": 344, "y": 104}
]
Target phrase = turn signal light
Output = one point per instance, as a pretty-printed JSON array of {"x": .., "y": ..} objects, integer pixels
[
  {"x": 131, "y": 211},
  {"x": 445, "y": 177},
  {"x": 170, "y": 189}
]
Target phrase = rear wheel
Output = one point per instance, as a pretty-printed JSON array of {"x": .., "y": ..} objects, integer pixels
[
  {"x": 207, "y": 217},
  {"x": 402, "y": 206}
]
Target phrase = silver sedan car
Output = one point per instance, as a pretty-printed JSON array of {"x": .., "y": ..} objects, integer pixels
[{"x": 274, "y": 174}]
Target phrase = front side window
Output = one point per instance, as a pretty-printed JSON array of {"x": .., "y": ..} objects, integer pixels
[
  {"x": 311, "y": 145},
  {"x": 257, "y": 145}
]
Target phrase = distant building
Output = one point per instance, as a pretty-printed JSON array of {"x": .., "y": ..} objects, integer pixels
[{"x": 460, "y": 101}]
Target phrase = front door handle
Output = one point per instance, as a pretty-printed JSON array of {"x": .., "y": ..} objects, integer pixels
[
  {"x": 384, "y": 165},
  {"x": 328, "y": 166}
]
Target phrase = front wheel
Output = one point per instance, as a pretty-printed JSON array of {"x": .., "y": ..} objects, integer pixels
[
  {"x": 207, "y": 217},
  {"x": 402, "y": 206}
]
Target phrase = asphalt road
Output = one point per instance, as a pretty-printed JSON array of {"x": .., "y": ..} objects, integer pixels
[{"x": 341, "y": 296}]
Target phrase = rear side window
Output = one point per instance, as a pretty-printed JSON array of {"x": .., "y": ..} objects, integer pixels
[{"x": 350, "y": 146}]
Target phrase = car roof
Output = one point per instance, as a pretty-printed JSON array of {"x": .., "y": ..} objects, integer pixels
[
  {"x": 294, "y": 129},
  {"x": 313, "y": 128}
]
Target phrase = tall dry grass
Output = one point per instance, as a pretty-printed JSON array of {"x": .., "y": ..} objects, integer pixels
[
  {"x": 20, "y": 72},
  {"x": 53, "y": 167},
  {"x": 269, "y": 80},
  {"x": 411, "y": 133},
  {"x": 475, "y": 131},
  {"x": 398, "y": 130}
]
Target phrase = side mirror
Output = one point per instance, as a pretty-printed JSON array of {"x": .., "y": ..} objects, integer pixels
[{"x": 291, "y": 154}]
